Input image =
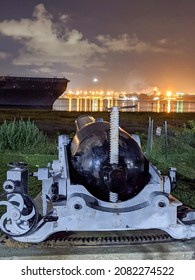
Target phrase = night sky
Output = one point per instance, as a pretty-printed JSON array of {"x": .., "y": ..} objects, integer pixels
[{"x": 131, "y": 45}]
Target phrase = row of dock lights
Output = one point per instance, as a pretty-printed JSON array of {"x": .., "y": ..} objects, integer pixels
[
  {"x": 119, "y": 95},
  {"x": 96, "y": 94}
]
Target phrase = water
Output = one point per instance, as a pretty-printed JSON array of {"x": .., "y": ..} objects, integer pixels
[{"x": 96, "y": 104}]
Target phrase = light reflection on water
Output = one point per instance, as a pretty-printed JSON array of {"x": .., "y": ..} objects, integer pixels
[{"x": 96, "y": 104}]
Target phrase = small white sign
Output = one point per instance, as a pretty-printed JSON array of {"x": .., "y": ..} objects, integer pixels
[{"x": 158, "y": 131}]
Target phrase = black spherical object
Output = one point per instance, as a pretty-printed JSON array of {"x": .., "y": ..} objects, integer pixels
[{"x": 90, "y": 157}]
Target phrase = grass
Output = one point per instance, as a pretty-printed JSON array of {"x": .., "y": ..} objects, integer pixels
[
  {"x": 58, "y": 122},
  {"x": 24, "y": 137},
  {"x": 179, "y": 152}
]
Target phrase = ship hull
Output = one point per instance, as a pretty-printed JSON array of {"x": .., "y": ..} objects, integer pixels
[
  {"x": 38, "y": 99},
  {"x": 32, "y": 93}
]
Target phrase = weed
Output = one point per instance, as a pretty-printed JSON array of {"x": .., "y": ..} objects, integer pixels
[
  {"x": 24, "y": 137},
  {"x": 179, "y": 153}
]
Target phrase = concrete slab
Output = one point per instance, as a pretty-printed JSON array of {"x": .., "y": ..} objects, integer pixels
[{"x": 179, "y": 250}]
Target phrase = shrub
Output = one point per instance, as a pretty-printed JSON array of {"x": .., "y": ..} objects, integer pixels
[
  {"x": 24, "y": 137},
  {"x": 179, "y": 152}
]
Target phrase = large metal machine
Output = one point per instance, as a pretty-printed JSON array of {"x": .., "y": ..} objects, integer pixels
[{"x": 101, "y": 181}]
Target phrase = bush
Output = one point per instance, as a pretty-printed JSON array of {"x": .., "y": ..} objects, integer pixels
[
  {"x": 24, "y": 137},
  {"x": 187, "y": 133},
  {"x": 179, "y": 150}
]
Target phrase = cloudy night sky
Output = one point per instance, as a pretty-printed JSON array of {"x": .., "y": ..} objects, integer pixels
[{"x": 125, "y": 44}]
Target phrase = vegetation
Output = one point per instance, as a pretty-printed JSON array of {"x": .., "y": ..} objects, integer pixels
[
  {"x": 23, "y": 141},
  {"x": 23, "y": 137},
  {"x": 55, "y": 122},
  {"x": 177, "y": 149}
]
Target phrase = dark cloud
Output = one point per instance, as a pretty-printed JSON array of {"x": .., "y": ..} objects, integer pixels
[{"x": 128, "y": 44}]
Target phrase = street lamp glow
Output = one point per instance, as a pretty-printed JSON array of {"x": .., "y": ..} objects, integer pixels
[
  {"x": 169, "y": 93},
  {"x": 95, "y": 80}
]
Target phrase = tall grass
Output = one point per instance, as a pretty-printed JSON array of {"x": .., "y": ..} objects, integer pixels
[
  {"x": 24, "y": 137},
  {"x": 177, "y": 150}
]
